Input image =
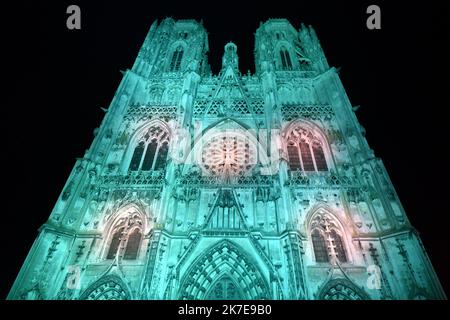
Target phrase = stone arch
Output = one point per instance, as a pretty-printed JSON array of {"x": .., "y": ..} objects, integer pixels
[
  {"x": 226, "y": 121},
  {"x": 218, "y": 129},
  {"x": 172, "y": 49},
  {"x": 152, "y": 123},
  {"x": 224, "y": 259},
  {"x": 129, "y": 217},
  {"x": 316, "y": 135},
  {"x": 313, "y": 127},
  {"x": 341, "y": 289},
  {"x": 138, "y": 133},
  {"x": 288, "y": 47},
  {"x": 321, "y": 213},
  {"x": 109, "y": 287},
  {"x": 224, "y": 288}
]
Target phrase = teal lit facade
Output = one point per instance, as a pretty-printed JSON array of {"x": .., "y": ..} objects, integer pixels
[{"x": 228, "y": 186}]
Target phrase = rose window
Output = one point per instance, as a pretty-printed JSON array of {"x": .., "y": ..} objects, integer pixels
[{"x": 227, "y": 156}]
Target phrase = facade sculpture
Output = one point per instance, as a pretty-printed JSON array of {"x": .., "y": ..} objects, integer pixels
[{"x": 228, "y": 186}]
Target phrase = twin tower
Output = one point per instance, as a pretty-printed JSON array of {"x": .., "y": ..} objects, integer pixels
[{"x": 228, "y": 186}]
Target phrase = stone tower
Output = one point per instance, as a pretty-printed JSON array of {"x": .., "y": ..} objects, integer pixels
[{"x": 228, "y": 186}]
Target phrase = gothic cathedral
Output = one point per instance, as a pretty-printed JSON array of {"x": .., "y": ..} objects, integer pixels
[{"x": 228, "y": 186}]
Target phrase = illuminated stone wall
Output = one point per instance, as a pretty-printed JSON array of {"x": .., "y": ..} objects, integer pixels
[{"x": 228, "y": 186}]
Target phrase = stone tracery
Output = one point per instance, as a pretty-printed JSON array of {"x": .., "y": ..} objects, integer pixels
[
  {"x": 125, "y": 235},
  {"x": 151, "y": 150},
  {"x": 305, "y": 150},
  {"x": 327, "y": 238},
  {"x": 223, "y": 228}
]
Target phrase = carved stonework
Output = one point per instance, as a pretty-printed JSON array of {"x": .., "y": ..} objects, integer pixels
[{"x": 228, "y": 185}]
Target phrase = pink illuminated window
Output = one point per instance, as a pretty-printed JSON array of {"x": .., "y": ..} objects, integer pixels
[
  {"x": 305, "y": 151},
  {"x": 319, "y": 156},
  {"x": 338, "y": 246},
  {"x": 294, "y": 158},
  {"x": 114, "y": 245},
  {"x": 308, "y": 164},
  {"x": 133, "y": 243},
  {"x": 319, "y": 245}
]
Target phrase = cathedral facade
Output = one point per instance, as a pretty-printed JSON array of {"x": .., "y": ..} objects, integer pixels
[{"x": 228, "y": 186}]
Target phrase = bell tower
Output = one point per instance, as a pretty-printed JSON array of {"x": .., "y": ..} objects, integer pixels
[{"x": 173, "y": 47}]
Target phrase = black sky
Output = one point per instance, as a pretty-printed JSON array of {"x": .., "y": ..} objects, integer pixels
[{"x": 60, "y": 79}]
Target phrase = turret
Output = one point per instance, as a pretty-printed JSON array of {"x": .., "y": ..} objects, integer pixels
[{"x": 173, "y": 47}]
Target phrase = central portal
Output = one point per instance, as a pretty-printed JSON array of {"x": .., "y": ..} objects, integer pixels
[{"x": 224, "y": 289}]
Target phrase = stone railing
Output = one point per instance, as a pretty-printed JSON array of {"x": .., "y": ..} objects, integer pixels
[
  {"x": 320, "y": 180},
  {"x": 138, "y": 112},
  {"x": 155, "y": 178},
  {"x": 242, "y": 181},
  {"x": 318, "y": 111}
]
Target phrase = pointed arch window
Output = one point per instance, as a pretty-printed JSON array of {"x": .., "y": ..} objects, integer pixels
[
  {"x": 326, "y": 238},
  {"x": 150, "y": 153},
  {"x": 114, "y": 244},
  {"x": 319, "y": 157},
  {"x": 126, "y": 237},
  {"x": 108, "y": 287},
  {"x": 338, "y": 246},
  {"x": 286, "y": 63},
  {"x": 133, "y": 243},
  {"x": 305, "y": 151},
  {"x": 177, "y": 55},
  {"x": 137, "y": 155},
  {"x": 320, "y": 246},
  {"x": 294, "y": 158},
  {"x": 162, "y": 156}
]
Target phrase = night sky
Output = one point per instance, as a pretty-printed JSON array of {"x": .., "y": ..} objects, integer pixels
[{"x": 61, "y": 78}]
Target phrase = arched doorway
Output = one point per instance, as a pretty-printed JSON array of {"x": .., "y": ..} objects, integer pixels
[
  {"x": 224, "y": 271},
  {"x": 224, "y": 289},
  {"x": 342, "y": 289},
  {"x": 107, "y": 288}
]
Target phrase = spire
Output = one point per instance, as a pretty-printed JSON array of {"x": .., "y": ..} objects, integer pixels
[{"x": 230, "y": 57}]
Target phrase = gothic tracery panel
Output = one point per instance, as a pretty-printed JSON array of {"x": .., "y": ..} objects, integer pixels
[
  {"x": 224, "y": 289},
  {"x": 224, "y": 228},
  {"x": 341, "y": 289},
  {"x": 228, "y": 155},
  {"x": 107, "y": 288},
  {"x": 326, "y": 238},
  {"x": 231, "y": 274},
  {"x": 126, "y": 236},
  {"x": 151, "y": 151},
  {"x": 305, "y": 150}
]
